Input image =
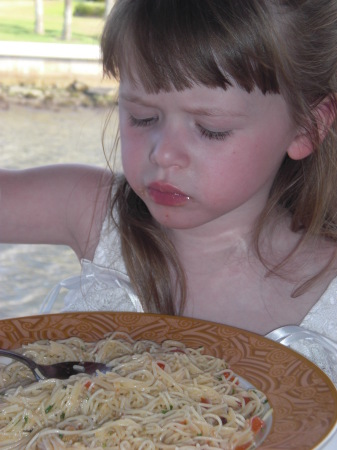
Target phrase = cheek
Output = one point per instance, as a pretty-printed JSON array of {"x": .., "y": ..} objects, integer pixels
[
  {"x": 130, "y": 149},
  {"x": 242, "y": 171},
  {"x": 129, "y": 160},
  {"x": 133, "y": 163}
]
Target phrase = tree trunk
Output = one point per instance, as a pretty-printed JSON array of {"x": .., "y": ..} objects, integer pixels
[
  {"x": 68, "y": 13},
  {"x": 108, "y": 6},
  {"x": 39, "y": 29}
]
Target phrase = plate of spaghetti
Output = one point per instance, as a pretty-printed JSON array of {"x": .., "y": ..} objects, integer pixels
[{"x": 174, "y": 383}]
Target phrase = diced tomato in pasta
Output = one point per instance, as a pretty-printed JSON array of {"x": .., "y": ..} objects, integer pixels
[
  {"x": 256, "y": 424},
  {"x": 230, "y": 377},
  {"x": 244, "y": 446}
]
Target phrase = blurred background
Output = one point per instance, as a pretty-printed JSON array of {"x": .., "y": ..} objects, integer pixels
[{"x": 53, "y": 106}]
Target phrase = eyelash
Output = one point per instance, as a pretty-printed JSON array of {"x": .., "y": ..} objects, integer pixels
[
  {"x": 134, "y": 122},
  {"x": 214, "y": 135},
  {"x": 208, "y": 134}
]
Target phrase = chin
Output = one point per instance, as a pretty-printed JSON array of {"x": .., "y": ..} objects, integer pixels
[{"x": 175, "y": 220}]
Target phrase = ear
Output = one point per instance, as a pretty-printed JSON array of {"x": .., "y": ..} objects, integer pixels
[
  {"x": 325, "y": 113},
  {"x": 301, "y": 147}
]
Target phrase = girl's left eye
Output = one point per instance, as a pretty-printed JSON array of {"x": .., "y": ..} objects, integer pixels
[
  {"x": 134, "y": 122},
  {"x": 213, "y": 135}
]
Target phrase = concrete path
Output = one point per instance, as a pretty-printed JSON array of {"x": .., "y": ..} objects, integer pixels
[
  {"x": 36, "y": 62},
  {"x": 84, "y": 52}
]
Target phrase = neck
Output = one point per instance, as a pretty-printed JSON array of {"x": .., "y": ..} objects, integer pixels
[{"x": 208, "y": 252}]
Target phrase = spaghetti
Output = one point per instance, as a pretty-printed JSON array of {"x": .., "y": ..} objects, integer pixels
[{"x": 157, "y": 396}]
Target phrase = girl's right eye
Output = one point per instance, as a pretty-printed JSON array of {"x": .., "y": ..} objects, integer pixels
[{"x": 134, "y": 122}]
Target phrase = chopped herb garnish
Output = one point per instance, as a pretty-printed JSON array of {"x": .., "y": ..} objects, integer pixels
[
  {"x": 164, "y": 411},
  {"x": 48, "y": 409},
  {"x": 62, "y": 416}
]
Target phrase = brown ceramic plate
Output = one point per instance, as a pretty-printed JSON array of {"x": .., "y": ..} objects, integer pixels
[{"x": 303, "y": 399}]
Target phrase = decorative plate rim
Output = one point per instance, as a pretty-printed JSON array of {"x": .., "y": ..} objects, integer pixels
[{"x": 293, "y": 384}]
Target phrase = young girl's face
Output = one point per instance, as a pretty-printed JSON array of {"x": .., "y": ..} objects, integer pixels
[{"x": 203, "y": 157}]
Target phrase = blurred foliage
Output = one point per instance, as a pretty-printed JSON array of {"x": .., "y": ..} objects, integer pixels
[
  {"x": 90, "y": 9},
  {"x": 17, "y": 19}
]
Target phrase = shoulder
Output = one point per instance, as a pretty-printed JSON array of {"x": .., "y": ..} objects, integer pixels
[
  {"x": 73, "y": 200},
  {"x": 83, "y": 196},
  {"x": 88, "y": 199}
]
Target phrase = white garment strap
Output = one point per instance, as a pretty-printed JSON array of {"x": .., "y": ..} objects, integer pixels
[
  {"x": 94, "y": 280},
  {"x": 69, "y": 283}
]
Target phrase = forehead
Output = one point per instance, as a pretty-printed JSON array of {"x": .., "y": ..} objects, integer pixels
[{"x": 201, "y": 99}]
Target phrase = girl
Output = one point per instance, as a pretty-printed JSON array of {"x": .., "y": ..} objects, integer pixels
[{"x": 227, "y": 207}]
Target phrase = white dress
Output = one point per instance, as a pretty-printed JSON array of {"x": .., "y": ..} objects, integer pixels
[{"x": 105, "y": 286}]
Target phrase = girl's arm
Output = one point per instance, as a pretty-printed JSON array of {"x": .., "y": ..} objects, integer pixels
[{"x": 59, "y": 204}]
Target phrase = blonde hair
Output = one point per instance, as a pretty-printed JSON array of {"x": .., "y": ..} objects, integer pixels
[{"x": 285, "y": 47}]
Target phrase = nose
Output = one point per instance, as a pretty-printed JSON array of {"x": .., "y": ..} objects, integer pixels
[{"x": 169, "y": 148}]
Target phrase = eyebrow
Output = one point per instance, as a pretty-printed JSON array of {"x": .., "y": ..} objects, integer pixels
[
  {"x": 209, "y": 112},
  {"x": 212, "y": 112},
  {"x": 134, "y": 99}
]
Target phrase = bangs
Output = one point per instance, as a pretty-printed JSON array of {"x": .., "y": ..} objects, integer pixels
[{"x": 173, "y": 44}]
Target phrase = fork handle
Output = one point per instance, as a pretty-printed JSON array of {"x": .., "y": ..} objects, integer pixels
[{"x": 13, "y": 355}]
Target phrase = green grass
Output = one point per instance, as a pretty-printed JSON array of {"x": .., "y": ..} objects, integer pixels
[{"x": 17, "y": 21}]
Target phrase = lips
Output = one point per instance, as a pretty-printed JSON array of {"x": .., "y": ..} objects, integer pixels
[{"x": 166, "y": 194}]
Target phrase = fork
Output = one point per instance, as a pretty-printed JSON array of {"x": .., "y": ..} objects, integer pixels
[{"x": 61, "y": 370}]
